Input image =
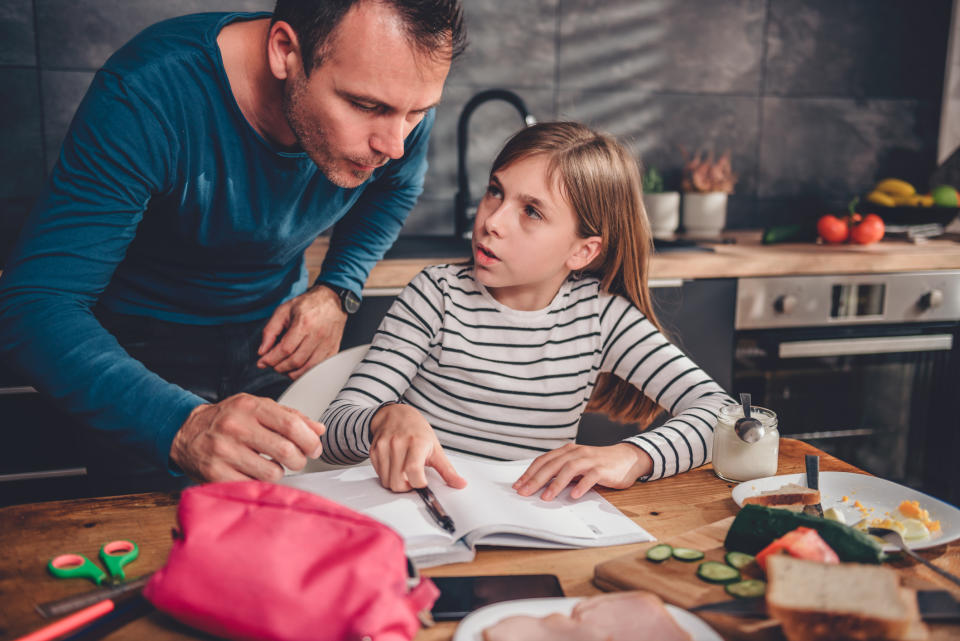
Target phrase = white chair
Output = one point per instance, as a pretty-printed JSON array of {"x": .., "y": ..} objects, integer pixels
[{"x": 315, "y": 390}]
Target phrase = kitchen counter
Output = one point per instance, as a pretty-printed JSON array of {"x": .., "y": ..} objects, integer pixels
[{"x": 745, "y": 257}]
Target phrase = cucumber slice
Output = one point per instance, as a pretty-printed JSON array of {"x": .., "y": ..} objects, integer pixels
[
  {"x": 659, "y": 553},
  {"x": 687, "y": 554},
  {"x": 738, "y": 559},
  {"x": 746, "y": 589},
  {"x": 716, "y": 572}
]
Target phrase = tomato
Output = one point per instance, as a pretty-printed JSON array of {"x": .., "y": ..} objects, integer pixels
[
  {"x": 832, "y": 229},
  {"x": 869, "y": 230},
  {"x": 802, "y": 543}
]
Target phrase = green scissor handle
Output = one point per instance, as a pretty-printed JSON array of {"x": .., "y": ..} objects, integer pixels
[
  {"x": 117, "y": 554},
  {"x": 70, "y": 566}
]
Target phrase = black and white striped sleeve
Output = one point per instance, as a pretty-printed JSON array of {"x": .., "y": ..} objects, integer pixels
[
  {"x": 635, "y": 351},
  {"x": 404, "y": 339}
]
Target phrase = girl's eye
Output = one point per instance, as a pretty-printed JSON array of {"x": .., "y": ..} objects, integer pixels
[
  {"x": 494, "y": 191},
  {"x": 531, "y": 212}
]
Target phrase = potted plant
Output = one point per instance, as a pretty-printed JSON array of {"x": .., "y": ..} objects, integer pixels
[
  {"x": 663, "y": 207},
  {"x": 706, "y": 184}
]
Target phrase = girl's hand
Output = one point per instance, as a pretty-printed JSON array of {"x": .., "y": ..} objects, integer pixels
[
  {"x": 402, "y": 445},
  {"x": 616, "y": 466}
]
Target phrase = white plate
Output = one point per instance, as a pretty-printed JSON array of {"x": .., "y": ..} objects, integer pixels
[
  {"x": 472, "y": 627},
  {"x": 872, "y": 492}
]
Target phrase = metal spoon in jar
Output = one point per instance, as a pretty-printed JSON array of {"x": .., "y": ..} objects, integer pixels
[{"x": 749, "y": 429}]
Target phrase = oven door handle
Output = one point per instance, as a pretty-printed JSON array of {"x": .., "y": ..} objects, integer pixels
[{"x": 864, "y": 346}]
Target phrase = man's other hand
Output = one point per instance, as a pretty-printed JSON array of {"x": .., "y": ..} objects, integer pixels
[
  {"x": 302, "y": 332},
  {"x": 224, "y": 441}
]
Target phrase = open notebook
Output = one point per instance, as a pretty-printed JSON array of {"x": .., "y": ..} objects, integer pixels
[{"x": 487, "y": 511}]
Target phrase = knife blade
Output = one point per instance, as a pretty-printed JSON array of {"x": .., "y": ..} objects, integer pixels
[
  {"x": 812, "y": 462},
  {"x": 934, "y": 605},
  {"x": 749, "y": 608}
]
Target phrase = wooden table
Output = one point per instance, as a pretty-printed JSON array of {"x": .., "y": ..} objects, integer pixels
[{"x": 31, "y": 533}]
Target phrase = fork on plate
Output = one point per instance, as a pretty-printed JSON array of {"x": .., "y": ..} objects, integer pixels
[{"x": 893, "y": 537}]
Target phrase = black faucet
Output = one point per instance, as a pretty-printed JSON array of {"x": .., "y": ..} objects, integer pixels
[{"x": 461, "y": 223}]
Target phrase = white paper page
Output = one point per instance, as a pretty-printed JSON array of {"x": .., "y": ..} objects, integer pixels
[
  {"x": 489, "y": 502},
  {"x": 359, "y": 489},
  {"x": 610, "y": 524}
]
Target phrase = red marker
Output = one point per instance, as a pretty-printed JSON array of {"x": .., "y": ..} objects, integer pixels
[{"x": 70, "y": 623}]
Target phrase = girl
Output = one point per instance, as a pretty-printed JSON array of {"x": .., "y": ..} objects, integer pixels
[{"x": 501, "y": 357}]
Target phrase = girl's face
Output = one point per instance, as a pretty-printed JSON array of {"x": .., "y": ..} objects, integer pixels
[{"x": 525, "y": 242}]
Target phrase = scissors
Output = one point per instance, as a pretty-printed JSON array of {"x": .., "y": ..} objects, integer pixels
[{"x": 114, "y": 555}]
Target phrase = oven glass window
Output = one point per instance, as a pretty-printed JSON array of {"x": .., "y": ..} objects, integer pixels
[
  {"x": 857, "y": 300},
  {"x": 880, "y": 412}
]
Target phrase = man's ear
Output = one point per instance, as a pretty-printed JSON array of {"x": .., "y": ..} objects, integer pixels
[
  {"x": 587, "y": 251},
  {"x": 283, "y": 50}
]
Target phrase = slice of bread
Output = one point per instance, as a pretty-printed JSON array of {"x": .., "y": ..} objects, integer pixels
[
  {"x": 791, "y": 496},
  {"x": 827, "y": 602}
]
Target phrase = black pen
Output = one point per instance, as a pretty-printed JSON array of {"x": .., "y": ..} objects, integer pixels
[{"x": 436, "y": 510}]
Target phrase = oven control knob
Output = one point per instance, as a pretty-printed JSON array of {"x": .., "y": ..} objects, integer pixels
[
  {"x": 930, "y": 300},
  {"x": 785, "y": 304}
]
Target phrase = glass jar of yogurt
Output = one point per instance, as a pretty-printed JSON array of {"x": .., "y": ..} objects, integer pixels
[{"x": 737, "y": 460}]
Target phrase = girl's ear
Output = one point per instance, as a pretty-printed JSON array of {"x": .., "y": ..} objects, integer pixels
[
  {"x": 585, "y": 253},
  {"x": 283, "y": 50}
]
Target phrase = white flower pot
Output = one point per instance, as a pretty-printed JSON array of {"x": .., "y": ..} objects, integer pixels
[
  {"x": 663, "y": 212},
  {"x": 704, "y": 215}
]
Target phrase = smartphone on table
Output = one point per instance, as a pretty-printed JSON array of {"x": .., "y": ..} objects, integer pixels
[{"x": 461, "y": 595}]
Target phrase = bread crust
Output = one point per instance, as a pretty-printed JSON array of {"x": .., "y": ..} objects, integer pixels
[
  {"x": 835, "y": 621},
  {"x": 774, "y": 500},
  {"x": 790, "y": 494},
  {"x": 816, "y": 625}
]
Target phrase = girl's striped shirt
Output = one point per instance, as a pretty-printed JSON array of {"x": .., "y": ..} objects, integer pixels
[{"x": 506, "y": 384}]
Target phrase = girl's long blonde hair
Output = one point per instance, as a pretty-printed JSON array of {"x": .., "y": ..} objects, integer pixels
[{"x": 600, "y": 180}]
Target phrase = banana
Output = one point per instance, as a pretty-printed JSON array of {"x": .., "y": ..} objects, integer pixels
[
  {"x": 880, "y": 198},
  {"x": 895, "y": 187},
  {"x": 908, "y": 201},
  {"x": 926, "y": 200}
]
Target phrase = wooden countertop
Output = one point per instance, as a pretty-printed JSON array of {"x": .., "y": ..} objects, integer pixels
[
  {"x": 743, "y": 257},
  {"x": 30, "y": 534},
  {"x": 746, "y": 256}
]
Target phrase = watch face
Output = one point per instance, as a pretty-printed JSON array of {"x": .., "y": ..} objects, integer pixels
[{"x": 351, "y": 302}]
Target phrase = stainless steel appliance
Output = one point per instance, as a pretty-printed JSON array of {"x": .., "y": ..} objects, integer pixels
[{"x": 865, "y": 367}]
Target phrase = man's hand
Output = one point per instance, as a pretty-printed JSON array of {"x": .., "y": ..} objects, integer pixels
[
  {"x": 312, "y": 326},
  {"x": 617, "y": 466},
  {"x": 223, "y": 441},
  {"x": 403, "y": 445}
]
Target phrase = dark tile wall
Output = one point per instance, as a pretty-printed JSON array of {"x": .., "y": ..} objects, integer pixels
[{"x": 814, "y": 98}]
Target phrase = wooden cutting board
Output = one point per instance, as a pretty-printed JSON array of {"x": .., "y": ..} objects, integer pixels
[{"x": 676, "y": 583}]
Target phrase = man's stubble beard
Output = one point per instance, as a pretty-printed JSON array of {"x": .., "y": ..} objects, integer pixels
[{"x": 313, "y": 139}]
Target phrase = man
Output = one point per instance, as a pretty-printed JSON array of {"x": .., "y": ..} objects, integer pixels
[{"x": 159, "y": 288}]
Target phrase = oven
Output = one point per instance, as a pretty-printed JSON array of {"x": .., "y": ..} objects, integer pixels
[{"x": 864, "y": 367}]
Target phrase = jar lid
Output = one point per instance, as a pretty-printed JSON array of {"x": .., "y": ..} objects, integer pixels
[{"x": 767, "y": 418}]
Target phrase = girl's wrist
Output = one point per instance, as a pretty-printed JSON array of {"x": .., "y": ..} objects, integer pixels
[
  {"x": 381, "y": 415},
  {"x": 643, "y": 464}
]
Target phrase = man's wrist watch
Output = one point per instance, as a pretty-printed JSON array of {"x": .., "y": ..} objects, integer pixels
[{"x": 349, "y": 302}]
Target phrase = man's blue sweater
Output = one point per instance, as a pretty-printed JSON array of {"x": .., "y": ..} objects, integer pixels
[{"x": 166, "y": 203}]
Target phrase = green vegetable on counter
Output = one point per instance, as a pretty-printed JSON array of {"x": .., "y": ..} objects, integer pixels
[{"x": 799, "y": 233}]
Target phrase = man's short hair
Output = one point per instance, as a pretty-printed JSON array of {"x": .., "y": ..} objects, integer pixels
[{"x": 433, "y": 25}]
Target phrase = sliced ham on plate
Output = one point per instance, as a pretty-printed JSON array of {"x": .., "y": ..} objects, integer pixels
[{"x": 622, "y": 616}]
